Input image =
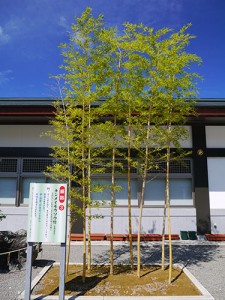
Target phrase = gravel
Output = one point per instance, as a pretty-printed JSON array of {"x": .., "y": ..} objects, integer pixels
[{"x": 205, "y": 260}]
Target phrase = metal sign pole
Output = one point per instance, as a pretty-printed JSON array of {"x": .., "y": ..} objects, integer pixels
[
  {"x": 28, "y": 271},
  {"x": 62, "y": 274}
]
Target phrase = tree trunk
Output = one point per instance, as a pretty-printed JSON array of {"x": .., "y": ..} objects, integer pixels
[
  {"x": 68, "y": 249},
  {"x": 163, "y": 236},
  {"x": 89, "y": 189},
  {"x": 112, "y": 211},
  {"x": 142, "y": 200},
  {"x": 129, "y": 198},
  {"x": 83, "y": 197},
  {"x": 168, "y": 208}
]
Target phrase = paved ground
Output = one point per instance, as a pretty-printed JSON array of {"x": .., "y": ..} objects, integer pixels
[{"x": 206, "y": 261}]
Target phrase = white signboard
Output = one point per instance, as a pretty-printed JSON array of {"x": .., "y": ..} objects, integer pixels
[{"x": 47, "y": 213}]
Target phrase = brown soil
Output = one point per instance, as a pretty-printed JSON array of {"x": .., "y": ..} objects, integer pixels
[{"x": 124, "y": 282}]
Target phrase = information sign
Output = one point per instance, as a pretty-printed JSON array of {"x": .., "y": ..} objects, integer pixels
[{"x": 47, "y": 213}]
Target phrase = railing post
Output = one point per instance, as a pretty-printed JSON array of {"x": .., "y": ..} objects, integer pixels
[{"x": 8, "y": 259}]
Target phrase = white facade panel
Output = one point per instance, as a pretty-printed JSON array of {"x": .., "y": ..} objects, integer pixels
[
  {"x": 187, "y": 143},
  {"x": 24, "y": 136},
  {"x": 215, "y": 136},
  {"x": 216, "y": 175},
  {"x": 16, "y": 218},
  {"x": 151, "y": 221}
]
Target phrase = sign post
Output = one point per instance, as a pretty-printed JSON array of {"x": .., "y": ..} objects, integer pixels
[
  {"x": 47, "y": 220},
  {"x": 62, "y": 271},
  {"x": 28, "y": 271}
]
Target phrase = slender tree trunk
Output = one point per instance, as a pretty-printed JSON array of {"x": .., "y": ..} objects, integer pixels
[
  {"x": 112, "y": 211},
  {"x": 163, "y": 236},
  {"x": 129, "y": 196},
  {"x": 89, "y": 191},
  {"x": 84, "y": 235},
  {"x": 70, "y": 221},
  {"x": 118, "y": 84},
  {"x": 70, "y": 172},
  {"x": 168, "y": 207},
  {"x": 142, "y": 200},
  {"x": 139, "y": 228},
  {"x": 68, "y": 249},
  {"x": 83, "y": 197},
  {"x": 89, "y": 225}
]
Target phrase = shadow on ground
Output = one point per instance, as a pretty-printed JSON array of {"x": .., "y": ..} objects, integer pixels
[
  {"x": 151, "y": 254},
  {"x": 41, "y": 263}
]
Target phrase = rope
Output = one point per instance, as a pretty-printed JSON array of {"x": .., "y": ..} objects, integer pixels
[{"x": 12, "y": 251}]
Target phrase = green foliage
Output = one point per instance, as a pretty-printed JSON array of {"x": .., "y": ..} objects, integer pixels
[{"x": 132, "y": 90}]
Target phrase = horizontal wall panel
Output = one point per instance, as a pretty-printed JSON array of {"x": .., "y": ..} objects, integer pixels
[
  {"x": 184, "y": 143},
  {"x": 151, "y": 221},
  {"x": 216, "y": 175},
  {"x": 215, "y": 136},
  {"x": 217, "y": 221},
  {"x": 24, "y": 136}
]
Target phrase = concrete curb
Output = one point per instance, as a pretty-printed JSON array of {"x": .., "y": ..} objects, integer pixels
[
  {"x": 36, "y": 279},
  {"x": 205, "y": 294},
  {"x": 119, "y": 243}
]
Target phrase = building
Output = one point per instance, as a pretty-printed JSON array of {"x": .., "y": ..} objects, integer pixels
[{"x": 197, "y": 190}]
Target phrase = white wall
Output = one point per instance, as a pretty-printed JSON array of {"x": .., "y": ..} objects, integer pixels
[
  {"x": 187, "y": 143},
  {"x": 151, "y": 221},
  {"x": 215, "y": 136},
  {"x": 16, "y": 218},
  {"x": 216, "y": 176},
  {"x": 24, "y": 136}
]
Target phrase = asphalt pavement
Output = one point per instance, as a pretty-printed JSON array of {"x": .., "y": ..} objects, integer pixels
[{"x": 205, "y": 260}]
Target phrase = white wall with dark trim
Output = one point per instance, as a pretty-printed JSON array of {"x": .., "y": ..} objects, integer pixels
[
  {"x": 216, "y": 177},
  {"x": 215, "y": 136},
  {"x": 151, "y": 221},
  {"x": 24, "y": 136}
]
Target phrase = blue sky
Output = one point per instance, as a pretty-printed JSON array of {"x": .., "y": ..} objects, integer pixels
[{"x": 31, "y": 30}]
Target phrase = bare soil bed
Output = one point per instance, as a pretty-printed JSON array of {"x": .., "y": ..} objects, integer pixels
[{"x": 124, "y": 282}]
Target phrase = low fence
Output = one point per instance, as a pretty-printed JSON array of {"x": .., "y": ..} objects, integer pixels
[{"x": 5, "y": 257}]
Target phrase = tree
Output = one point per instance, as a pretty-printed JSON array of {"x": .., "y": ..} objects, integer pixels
[
  {"x": 143, "y": 76},
  {"x": 168, "y": 83},
  {"x": 133, "y": 98},
  {"x": 83, "y": 85},
  {"x": 113, "y": 107},
  {"x": 144, "y": 42},
  {"x": 176, "y": 93}
]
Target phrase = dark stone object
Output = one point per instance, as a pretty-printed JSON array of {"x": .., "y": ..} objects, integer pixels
[{"x": 11, "y": 242}]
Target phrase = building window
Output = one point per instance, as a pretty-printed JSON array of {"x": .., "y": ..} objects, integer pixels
[
  {"x": 8, "y": 190},
  {"x": 16, "y": 174},
  {"x": 180, "y": 182},
  {"x": 181, "y": 190},
  {"x": 120, "y": 193},
  {"x": 25, "y": 187},
  {"x": 104, "y": 179}
]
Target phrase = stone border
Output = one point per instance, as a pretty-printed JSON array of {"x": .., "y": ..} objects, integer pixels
[{"x": 205, "y": 294}]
